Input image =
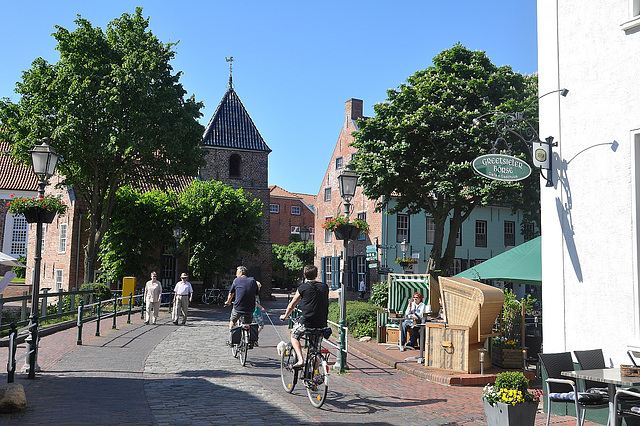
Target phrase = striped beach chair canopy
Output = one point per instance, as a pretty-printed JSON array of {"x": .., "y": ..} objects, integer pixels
[{"x": 402, "y": 287}]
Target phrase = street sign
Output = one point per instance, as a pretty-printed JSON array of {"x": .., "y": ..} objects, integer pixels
[
  {"x": 384, "y": 270},
  {"x": 373, "y": 265},
  {"x": 372, "y": 256},
  {"x": 372, "y": 249},
  {"x": 502, "y": 167}
]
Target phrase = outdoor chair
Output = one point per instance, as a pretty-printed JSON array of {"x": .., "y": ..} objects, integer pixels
[
  {"x": 590, "y": 360},
  {"x": 564, "y": 391},
  {"x": 627, "y": 410}
]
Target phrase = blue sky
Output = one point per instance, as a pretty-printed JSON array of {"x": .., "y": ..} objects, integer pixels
[{"x": 295, "y": 63}]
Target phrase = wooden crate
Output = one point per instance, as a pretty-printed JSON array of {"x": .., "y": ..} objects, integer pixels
[
  {"x": 392, "y": 335},
  {"x": 449, "y": 348},
  {"x": 507, "y": 358}
]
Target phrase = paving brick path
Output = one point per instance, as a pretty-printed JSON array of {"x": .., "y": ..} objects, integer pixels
[{"x": 184, "y": 375}]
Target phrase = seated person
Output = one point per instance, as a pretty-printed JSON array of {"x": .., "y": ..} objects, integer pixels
[{"x": 415, "y": 311}]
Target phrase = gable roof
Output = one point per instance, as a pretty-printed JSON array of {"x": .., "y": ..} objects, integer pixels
[
  {"x": 307, "y": 199},
  {"x": 13, "y": 176},
  {"x": 232, "y": 127}
]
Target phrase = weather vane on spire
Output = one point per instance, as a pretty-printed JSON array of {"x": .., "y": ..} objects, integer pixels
[{"x": 230, "y": 60}]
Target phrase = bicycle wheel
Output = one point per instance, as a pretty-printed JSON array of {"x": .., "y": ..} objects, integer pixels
[
  {"x": 244, "y": 347},
  {"x": 288, "y": 374},
  {"x": 318, "y": 382},
  {"x": 234, "y": 350}
]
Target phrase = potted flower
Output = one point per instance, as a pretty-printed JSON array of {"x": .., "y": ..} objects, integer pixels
[
  {"x": 344, "y": 228},
  {"x": 45, "y": 208},
  {"x": 509, "y": 402},
  {"x": 406, "y": 261},
  {"x": 507, "y": 349}
]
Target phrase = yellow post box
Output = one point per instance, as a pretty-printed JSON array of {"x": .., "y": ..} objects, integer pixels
[{"x": 128, "y": 286}]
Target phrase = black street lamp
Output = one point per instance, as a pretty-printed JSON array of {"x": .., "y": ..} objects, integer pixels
[
  {"x": 44, "y": 159},
  {"x": 304, "y": 237},
  {"x": 347, "y": 182},
  {"x": 177, "y": 235}
]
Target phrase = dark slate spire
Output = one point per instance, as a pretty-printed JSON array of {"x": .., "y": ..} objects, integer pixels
[{"x": 232, "y": 127}]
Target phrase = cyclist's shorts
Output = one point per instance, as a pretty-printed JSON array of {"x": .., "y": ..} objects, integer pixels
[
  {"x": 235, "y": 316},
  {"x": 298, "y": 329}
]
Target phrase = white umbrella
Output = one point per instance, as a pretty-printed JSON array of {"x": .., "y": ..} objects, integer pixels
[{"x": 7, "y": 260}]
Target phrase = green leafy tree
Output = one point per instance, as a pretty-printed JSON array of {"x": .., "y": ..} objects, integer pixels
[
  {"x": 292, "y": 258},
  {"x": 141, "y": 225},
  {"x": 115, "y": 112},
  {"x": 218, "y": 222},
  {"x": 421, "y": 142}
]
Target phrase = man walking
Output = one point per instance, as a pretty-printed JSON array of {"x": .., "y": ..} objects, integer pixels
[
  {"x": 313, "y": 297},
  {"x": 152, "y": 296},
  {"x": 183, "y": 293},
  {"x": 245, "y": 290}
]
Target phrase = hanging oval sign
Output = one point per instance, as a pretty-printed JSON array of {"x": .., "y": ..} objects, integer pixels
[{"x": 502, "y": 167}]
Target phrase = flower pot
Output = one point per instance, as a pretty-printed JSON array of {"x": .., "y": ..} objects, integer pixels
[
  {"x": 510, "y": 415},
  {"x": 346, "y": 232},
  {"x": 31, "y": 215}
]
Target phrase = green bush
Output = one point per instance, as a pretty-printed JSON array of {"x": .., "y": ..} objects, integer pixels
[
  {"x": 361, "y": 317},
  {"x": 99, "y": 290},
  {"x": 514, "y": 380},
  {"x": 380, "y": 294}
]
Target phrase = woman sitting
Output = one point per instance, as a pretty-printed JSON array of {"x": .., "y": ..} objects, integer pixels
[{"x": 414, "y": 315}]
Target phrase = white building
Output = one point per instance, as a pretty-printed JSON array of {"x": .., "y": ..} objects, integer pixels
[{"x": 590, "y": 217}]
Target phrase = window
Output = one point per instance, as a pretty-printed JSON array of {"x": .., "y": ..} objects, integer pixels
[
  {"x": 295, "y": 210},
  {"x": 361, "y": 269},
  {"x": 529, "y": 231},
  {"x": 431, "y": 230},
  {"x": 402, "y": 232},
  {"x": 327, "y": 272},
  {"x": 362, "y": 216},
  {"x": 62, "y": 240},
  {"x": 58, "y": 280},
  {"x": 19, "y": 236},
  {"x": 235, "y": 166},
  {"x": 274, "y": 208},
  {"x": 481, "y": 233},
  {"x": 456, "y": 267},
  {"x": 634, "y": 16},
  {"x": 328, "y": 235},
  {"x": 509, "y": 233},
  {"x": 338, "y": 163},
  {"x": 327, "y": 194},
  {"x": 295, "y": 230}
]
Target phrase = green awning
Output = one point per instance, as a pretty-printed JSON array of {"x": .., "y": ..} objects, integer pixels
[{"x": 522, "y": 264}]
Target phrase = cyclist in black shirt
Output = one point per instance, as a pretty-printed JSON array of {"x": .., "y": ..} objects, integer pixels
[{"x": 313, "y": 297}]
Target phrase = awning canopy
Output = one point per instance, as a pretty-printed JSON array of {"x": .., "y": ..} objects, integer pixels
[
  {"x": 522, "y": 264},
  {"x": 7, "y": 260}
]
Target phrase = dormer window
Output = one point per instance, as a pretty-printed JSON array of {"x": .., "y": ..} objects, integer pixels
[{"x": 235, "y": 166}]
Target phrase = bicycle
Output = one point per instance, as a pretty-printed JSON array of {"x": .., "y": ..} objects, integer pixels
[
  {"x": 214, "y": 295},
  {"x": 315, "y": 372},
  {"x": 239, "y": 350}
]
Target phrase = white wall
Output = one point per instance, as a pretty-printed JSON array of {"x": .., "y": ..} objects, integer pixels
[{"x": 590, "y": 297}]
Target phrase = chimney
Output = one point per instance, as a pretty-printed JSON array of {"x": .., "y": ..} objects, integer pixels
[{"x": 353, "y": 109}]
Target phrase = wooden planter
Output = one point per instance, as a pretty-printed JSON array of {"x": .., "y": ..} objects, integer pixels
[
  {"x": 507, "y": 358},
  {"x": 31, "y": 215},
  {"x": 510, "y": 415},
  {"x": 346, "y": 232}
]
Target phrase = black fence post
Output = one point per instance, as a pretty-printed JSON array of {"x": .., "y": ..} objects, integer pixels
[
  {"x": 115, "y": 310},
  {"x": 80, "y": 310},
  {"x": 130, "y": 305},
  {"x": 98, "y": 319},
  {"x": 11, "y": 365}
]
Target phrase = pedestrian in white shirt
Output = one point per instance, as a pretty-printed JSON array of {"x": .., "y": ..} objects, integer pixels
[
  {"x": 152, "y": 296},
  {"x": 181, "y": 298}
]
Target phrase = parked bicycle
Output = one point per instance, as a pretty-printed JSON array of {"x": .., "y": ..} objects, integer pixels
[
  {"x": 214, "y": 295},
  {"x": 240, "y": 345},
  {"x": 315, "y": 372}
]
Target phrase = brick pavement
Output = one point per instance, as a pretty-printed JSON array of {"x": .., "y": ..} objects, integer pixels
[{"x": 168, "y": 374}]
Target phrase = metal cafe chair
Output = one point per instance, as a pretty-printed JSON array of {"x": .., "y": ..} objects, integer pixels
[
  {"x": 590, "y": 360},
  {"x": 564, "y": 391},
  {"x": 627, "y": 409}
]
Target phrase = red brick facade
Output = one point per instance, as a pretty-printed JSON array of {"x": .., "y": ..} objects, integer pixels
[
  {"x": 283, "y": 218},
  {"x": 329, "y": 204}
]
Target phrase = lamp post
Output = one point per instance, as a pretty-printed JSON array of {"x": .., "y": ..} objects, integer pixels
[
  {"x": 177, "y": 235},
  {"x": 304, "y": 237},
  {"x": 404, "y": 248},
  {"x": 347, "y": 182},
  {"x": 44, "y": 159}
]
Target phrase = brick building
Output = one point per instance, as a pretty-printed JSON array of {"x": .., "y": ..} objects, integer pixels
[{"x": 289, "y": 212}]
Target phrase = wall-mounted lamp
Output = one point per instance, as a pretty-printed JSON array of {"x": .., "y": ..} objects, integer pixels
[{"x": 516, "y": 124}]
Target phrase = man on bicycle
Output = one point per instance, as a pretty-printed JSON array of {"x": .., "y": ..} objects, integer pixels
[
  {"x": 245, "y": 290},
  {"x": 313, "y": 297}
]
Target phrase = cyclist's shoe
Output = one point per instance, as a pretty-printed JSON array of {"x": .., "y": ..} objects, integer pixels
[
  {"x": 298, "y": 364},
  {"x": 229, "y": 343}
]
